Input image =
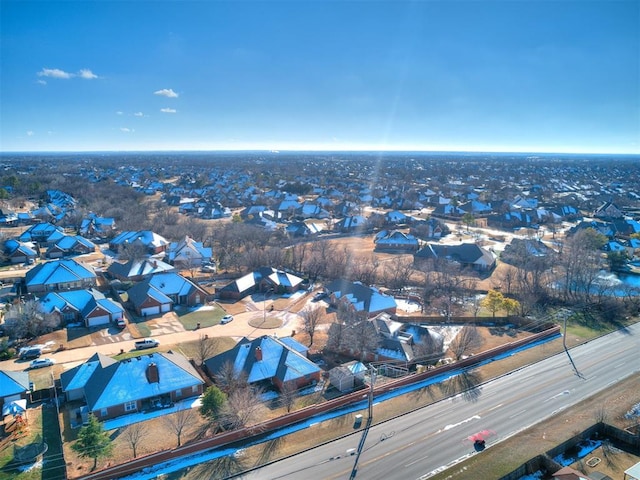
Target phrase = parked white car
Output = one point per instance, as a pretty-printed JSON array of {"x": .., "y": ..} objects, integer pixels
[{"x": 42, "y": 362}]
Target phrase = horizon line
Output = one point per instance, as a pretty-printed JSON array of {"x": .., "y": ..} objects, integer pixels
[{"x": 277, "y": 151}]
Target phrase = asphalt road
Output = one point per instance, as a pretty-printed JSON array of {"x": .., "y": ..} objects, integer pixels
[{"x": 429, "y": 440}]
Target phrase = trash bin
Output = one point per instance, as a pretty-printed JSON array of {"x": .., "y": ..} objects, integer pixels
[{"x": 358, "y": 421}]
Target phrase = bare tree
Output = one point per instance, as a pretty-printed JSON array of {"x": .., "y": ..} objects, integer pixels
[
  {"x": 134, "y": 434},
  {"x": 397, "y": 272},
  {"x": 288, "y": 395},
  {"x": 206, "y": 347},
  {"x": 25, "y": 320},
  {"x": 229, "y": 379},
  {"x": 177, "y": 422},
  {"x": 241, "y": 408},
  {"x": 468, "y": 339},
  {"x": 312, "y": 318}
]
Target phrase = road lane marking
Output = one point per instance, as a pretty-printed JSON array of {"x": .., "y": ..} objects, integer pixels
[{"x": 518, "y": 414}]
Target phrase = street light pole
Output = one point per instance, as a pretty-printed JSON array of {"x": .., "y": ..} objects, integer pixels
[
  {"x": 372, "y": 381},
  {"x": 264, "y": 306}
]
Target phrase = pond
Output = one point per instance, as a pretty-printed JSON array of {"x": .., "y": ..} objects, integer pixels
[{"x": 617, "y": 284}]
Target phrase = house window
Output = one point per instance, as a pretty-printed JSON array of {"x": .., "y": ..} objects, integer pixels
[
  {"x": 178, "y": 393},
  {"x": 194, "y": 389},
  {"x": 104, "y": 412},
  {"x": 130, "y": 406}
]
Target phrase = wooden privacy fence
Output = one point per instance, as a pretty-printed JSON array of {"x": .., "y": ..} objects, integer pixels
[{"x": 255, "y": 431}]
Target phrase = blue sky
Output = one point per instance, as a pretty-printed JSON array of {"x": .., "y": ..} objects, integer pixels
[{"x": 539, "y": 76}]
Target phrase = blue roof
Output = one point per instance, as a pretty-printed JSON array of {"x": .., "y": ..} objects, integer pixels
[
  {"x": 280, "y": 359},
  {"x": 58, "y": 271},
  {"x": 171, "y": 283},
  {"x": 81, "y": 300},
  {"x": 128, "y": 380},
  {"x": 13, "y": 383}
]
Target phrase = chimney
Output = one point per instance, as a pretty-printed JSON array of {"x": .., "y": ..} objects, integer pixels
[
  {"x": 258, "y": 354},
  {"x": 153, "y": 376}
]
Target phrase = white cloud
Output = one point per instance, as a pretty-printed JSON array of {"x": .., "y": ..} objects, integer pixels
[
  {"x": 168, "y": 110},
  {"x": 119, "y": 112},
  {"x": 166, "y": 92},
  {"x": 127, "y": 130},
  {"x": 41, "y": 82},
  {"x": 87, "y": 74},
  {"x": 54, "y": 73},
  {"x": 30, "y": 133},
  {"x": 138, "y": 114}
]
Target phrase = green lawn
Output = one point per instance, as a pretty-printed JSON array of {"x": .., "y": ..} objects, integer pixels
[{"x": 206, "y": 318}]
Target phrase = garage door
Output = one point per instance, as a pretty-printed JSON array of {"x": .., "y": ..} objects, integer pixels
[
  {"x": 166, "y": 308},
  {"x": 96, "y": 321},
  {"x": 150, "y": 311}
]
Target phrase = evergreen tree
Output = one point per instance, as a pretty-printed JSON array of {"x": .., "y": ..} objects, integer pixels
[
  {"x": 212, "y": 401},
  {"x": 93, "y": 441}
]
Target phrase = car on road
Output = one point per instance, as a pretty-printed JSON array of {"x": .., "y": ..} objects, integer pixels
[
  {"x": 30, "y": 353},
  {"x": 121, "y": 323},
  {"x": 226, "y": 319},
  {"x": 41, "y": 363},
  {"x": 319, "y": 296},
  {"x": 146, "y": 343}
]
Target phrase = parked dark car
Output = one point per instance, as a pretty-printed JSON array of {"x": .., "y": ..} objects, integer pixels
[{"x": 30, "y": 353}]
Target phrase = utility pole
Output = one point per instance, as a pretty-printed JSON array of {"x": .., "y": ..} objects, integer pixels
[{"x": 372, "y": 381}]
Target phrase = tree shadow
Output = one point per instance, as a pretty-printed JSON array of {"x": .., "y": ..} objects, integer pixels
[
  {"x": 465, "y": 384},
  {"x": 223, "y": 467},
  {"x": 269, "y": 449}
]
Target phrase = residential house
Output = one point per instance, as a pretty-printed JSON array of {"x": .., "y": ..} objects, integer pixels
[
  {"x": 268, "y": 361},
  {"x": 112, "y": 388},
  {"x": 13, "y": 386},
  {"x": 447, "y": 210},
  {"x": 466, "y": 254},
  {"x": 44, "y": 234},
  {"x": 395, "y": 241},
  {"x": 262, "y": 280},
  {"x": 568, "y": 473},
  {"x": 405, "y": 341},
  {"x": 87, "y": 306},
  {"x": 95, "y": 226},
  {"x": 311, "y": 210},
  {"x": 59, "y": 275},
  {"x": 152, "y": 242},
  {"x": 8, "y": 218},
  {"x": 20, "y": 252},
  {"x": 361, "y": 298},
  {"x": 395, "y": 217},
  {"x": 350, "y": 224},
  {"x": 306, "y": 228},
  {"x": 137, "y": 270},
  {"x": 160, "y": 293},
  {"x": 70, "y": 245},
  {"x": 188, "y": 253},
  {"x": 608, "y": 211}
]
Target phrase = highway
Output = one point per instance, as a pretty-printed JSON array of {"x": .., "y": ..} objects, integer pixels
[{"x": 418, "y": 445}]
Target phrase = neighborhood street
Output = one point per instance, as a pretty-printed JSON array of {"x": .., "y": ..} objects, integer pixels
[{"x": 237, "y": 329}]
